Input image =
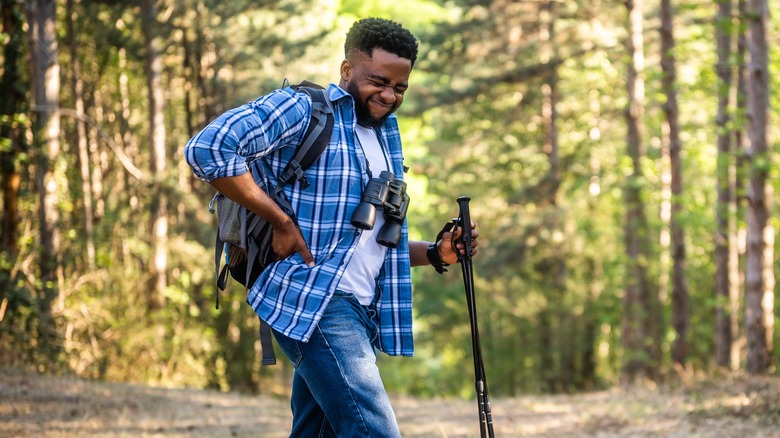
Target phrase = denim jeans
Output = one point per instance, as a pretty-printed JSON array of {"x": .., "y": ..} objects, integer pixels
[{"x": 337, "y": 390}]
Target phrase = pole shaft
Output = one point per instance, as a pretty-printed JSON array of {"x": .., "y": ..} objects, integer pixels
[{"x": 483, "y": 402}]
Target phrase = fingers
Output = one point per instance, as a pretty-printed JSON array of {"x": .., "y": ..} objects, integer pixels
[
  {"x": 459, "y": 232},
  {"x": 302, "y": 248},
  {"x": 307, "y": 257},
  {"x": 451, "y": 247},
  {"x": 286, "y": 241}
]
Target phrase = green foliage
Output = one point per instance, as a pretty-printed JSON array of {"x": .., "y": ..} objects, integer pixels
[{"x": 551, "y": 270}]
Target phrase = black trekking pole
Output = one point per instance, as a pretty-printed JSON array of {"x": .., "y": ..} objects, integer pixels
[{"x": 483, "y": 401}]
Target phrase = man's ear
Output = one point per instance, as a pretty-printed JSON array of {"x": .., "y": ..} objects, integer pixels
[{"x": 346, "y": 70}]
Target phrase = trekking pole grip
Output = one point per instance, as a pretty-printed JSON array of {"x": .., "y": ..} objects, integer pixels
[{"x": 465, "y": 217}]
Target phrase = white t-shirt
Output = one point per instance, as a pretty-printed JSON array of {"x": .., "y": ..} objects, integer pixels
[{"x": 361, "y": 272}]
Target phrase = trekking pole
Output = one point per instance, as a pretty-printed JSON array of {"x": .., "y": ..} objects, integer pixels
[{"x": 483, "y": 401}]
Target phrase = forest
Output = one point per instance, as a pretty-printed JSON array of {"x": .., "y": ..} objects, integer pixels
[{"x": 620, "y": 156}]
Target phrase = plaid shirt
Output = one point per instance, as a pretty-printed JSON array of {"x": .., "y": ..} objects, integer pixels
[{"x": 263, "y": 135}]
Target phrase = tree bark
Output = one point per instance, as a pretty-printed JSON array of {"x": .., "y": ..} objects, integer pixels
[
  {"x": 77, "y": 86},
  {"x": 739, "y": 230},
  {"x": 11, "y": 106},
  {"x": 159, "y": 216},
  {"x": 42, "y": 33},
  {"x": 589, "y": 358},
  {"x": 680, "y": 300},
  {"x": 726, "y": 204},
  {"x": 641, "y": 315},
  {"x": 205, "y": 56},
  {"x": 556, "y": 266},
  {"x": 759, "y": 276}
]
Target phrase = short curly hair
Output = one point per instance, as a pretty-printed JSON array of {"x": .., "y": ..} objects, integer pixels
[{"x": 377, "y": 33}]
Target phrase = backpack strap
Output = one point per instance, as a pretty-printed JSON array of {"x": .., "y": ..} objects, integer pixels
[
  {"x": 258, "y": 236},
  {"x": 219, "y": 247},
  {"x": 266, "y": 343},
  {"x": 316, "y": 138}
]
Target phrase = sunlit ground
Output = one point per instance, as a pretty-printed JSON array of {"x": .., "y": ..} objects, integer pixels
[{"x": 36, "y": 406}]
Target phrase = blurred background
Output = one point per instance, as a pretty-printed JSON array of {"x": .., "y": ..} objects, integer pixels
[{"x": 620, "y": 156}]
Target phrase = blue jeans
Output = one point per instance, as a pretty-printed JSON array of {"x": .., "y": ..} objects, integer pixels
[{"x": 337, "y": 390}]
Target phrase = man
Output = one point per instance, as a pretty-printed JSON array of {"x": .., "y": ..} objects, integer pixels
[{"x": 336, "y": 294}]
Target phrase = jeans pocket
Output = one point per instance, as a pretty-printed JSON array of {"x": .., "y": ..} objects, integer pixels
[
  {"x": 372, "y": 328},
  {"x": 291, "y": 348},
  {"x": 297, "y": 356}
]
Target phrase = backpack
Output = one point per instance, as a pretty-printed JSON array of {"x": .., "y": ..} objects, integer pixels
[{"x": 246, "y": 235}]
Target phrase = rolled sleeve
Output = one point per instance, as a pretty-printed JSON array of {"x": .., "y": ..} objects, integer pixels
[
  {"x": 242, "y": 134},
  {"x": 213, "y": 152}
]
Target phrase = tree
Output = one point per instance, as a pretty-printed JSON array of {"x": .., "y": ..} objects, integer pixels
[
  {"x": 557, "y": 374},
  {"x": 77, "y": 88},
  {"x": 726, "y": 259},
  {"x": 759, "y": 275},
  {"x": 680, "y": 300},
  {"x": 641, "y": 317},
  {"x": 158, "y": 160},
  {"x": 11, "y": 130},
  {"x": 14, "y": 166},
  {"x": 42, "y": 34}
]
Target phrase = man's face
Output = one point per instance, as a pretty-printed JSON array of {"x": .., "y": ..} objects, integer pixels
[{"x": 377, "y": 84}]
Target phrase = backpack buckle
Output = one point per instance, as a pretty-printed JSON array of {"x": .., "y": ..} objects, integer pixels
[{"x": 294, "y": 171}]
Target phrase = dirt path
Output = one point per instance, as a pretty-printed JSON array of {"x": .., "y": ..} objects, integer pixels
[{"x": 36, "y": 406}]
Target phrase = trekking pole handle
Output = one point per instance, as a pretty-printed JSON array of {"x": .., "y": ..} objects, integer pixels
[{"x": 465, "y": 216}]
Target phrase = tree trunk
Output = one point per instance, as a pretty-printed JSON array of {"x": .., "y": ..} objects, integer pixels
[
  {"x": 641, "y": 316},
  {"x": 680, "y": 300},
  {"x": 726, "y": 205},
  {"x": 759, "y": 277},
  {"x": 11, "y": 106},
  {"x": 739, "y": 230},
  {"x": 42, "y": 33},
  {"x": 547, "y": 370},
  {"x": 159, "y": 215},
  {"x": 206, "y": 57},
  {"x": 595, "y": 268},
  {"x": 81, "y": 137},
  {"x": 557, "y": 270}
]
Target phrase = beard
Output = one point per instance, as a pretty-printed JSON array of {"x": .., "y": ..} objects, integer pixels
[{"x": 364, "y": 117}]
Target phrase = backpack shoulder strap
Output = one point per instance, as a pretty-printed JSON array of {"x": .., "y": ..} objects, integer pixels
[{"x": 316, "y": 138}]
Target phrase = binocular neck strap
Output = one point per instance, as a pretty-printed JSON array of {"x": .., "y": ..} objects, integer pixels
[{"x": 372, "y": 146}]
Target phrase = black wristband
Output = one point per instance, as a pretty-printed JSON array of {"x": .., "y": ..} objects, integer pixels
[{"x": 435, "y": 259}]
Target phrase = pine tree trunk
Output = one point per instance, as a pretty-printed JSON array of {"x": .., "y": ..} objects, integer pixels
[
  {"x": 42, "y": 33},
  {"x": 77, "y": 86},
  {"x": 724, "y": 240},
  {"x": 591, "y": 326},
  {"x": 10, "y": 106},
  {"x": 158, "y": 153},
  {"x": 590, "y": 330},
  {"x": 547, "y": 370},
  {"x": 680, "y": 300},
  {"x": 206, "y": 58},
  {"x": 556, "y": 266},
  {"x": 759, "y": 277},
  {"x": 738, "y": 228},
  {"x": 127, "y": 138},
  {"x": 641, "y": 312}
]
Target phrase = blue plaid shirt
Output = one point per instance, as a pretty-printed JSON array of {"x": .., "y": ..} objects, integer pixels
[{"x": 262, "y": 135}]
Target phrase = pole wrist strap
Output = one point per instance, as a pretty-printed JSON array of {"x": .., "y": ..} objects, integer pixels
[{"x": 435, "y": 259}]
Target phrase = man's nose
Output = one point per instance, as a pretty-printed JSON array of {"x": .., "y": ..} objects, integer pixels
[{"x": 388, "y": 94}]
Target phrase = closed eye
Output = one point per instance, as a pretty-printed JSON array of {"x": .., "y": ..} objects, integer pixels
[{"x": 399, "y": 89}]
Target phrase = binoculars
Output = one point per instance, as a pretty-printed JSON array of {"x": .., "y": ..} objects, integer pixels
[{"x": 390, "y": 194}]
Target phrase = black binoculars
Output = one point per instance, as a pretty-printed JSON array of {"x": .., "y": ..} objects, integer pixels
[{"x": 390, "y": 194}]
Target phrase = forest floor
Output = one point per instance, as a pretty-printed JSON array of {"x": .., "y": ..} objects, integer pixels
[{"x": 44, "y": 406}]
